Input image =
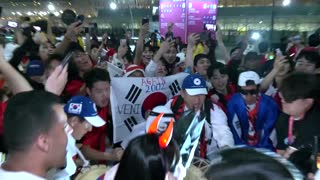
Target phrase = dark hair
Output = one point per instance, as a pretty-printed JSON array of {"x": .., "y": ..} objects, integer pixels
[
  {"x": 310, "y": 55},
  {"x": 129, "y": 54},
  {"x": 314, "y": 40},
  {"x": 263, "y": 47},
  {"x": 217, "y": 66},
  {"x": 43, "y": 24},
  {"x": 183, "y": 46},
  {"x": 27, "y": 115},
  {"x": 300, "y": 86},
  {"x": 246, "y": 164},
  {"x": 95, "y": 75},
  {"x": 169, "y": 67},
  {"x": 147, "y": 45},
  {"x": 153, "y": 162},
  {"x": 198, "y": 57},
  {"x": 251, "y": 56},
  {"x": 53, "y": 57},
  {"x": 28, "y": 48}
]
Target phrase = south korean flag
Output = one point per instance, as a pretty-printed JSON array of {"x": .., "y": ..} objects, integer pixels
[{"x": 75, "y": 108}]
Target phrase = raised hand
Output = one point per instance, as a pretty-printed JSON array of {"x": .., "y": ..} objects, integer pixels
[
  {"x": 144, "y": 30},
  {"x": 193, "y": 39},
  {"x": 73, "y": 31},
  {"x": 57, "y": 80}
]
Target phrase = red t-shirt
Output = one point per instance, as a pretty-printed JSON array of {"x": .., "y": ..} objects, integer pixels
[
  {"x": 96, "y": 138},
  {"x": 73, "y": 87},
  {"x": 3, "y": 106}
]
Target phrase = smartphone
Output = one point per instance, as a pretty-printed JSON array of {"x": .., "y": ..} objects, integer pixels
[
  {"x": 145, "y": 20},
  {"x": 210, "y": 27},
  {"x": 67, "y": 59},
  {"x": 80, "y": 18}
]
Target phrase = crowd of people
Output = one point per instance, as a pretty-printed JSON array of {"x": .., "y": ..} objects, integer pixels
[{"x": 55, "y": 111}]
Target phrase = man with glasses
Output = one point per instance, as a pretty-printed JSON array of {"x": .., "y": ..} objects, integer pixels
[{"x": 251, "y": 115}]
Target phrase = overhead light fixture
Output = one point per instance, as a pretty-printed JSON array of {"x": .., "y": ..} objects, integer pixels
[
  {"x": 51, "y": 7},
  {"x": 13, "y": 13},
  {"x": 19, "y": 13},
  {"x": 29, "y": 13},
  {"x": 113, "y": 5},
  {"x": 255, "y": 36},
  {"x": 286, "y": 2},
  {"x": 56, "y": 13},
  {"x": 260, "y": 22}
]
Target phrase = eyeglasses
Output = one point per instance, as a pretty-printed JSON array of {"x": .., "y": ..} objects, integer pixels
[{"x": 251, "y": 91}]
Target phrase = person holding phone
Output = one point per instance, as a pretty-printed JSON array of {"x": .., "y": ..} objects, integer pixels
[
  {"x": 123, "y": 58},
  {"x": 270, "y": 84}
]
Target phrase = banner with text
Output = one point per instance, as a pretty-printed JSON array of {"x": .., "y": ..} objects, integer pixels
[
  {"x": 132, "y": 97},
  {"x": 188, "y": 16}
]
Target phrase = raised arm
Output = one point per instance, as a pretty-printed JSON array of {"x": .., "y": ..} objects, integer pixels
[
  {"x": 192, "y": 40},
  {"x": 139, "y": 48},
  {"x": 57, "y": 81},
  {"x": 71, "y": 36},
  {"x": 279, "y": 62},
  {"x": 49, "y": 28},
  {"x": 16, "y": 82},
  {"x": 88, "y": 43},
  {"x": 221, "y": 45},
  {"x": 165, "y": 46}
]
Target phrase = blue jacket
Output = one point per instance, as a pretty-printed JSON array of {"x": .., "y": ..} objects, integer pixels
[{"x": 267, "y": 116}]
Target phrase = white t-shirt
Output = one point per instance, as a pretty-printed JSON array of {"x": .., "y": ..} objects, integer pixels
[
  {"x": 150, "y": 70},
  {"x": 9, "y": 175},
  {"x": 71, "y": 167}
]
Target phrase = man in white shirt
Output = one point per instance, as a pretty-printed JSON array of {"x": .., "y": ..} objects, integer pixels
[
  {"x": 35, "y": 131},
  {"x": 82, "y": 115},
  {"x": 216, "y": 133}
]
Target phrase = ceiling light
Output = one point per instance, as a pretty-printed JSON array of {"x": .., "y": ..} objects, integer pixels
[
  {"x": 255, "y": 36},
  {"x": 56, "y": 13},
  {"x": 51, "y": 7},
  {"x": 286, "y": 2},
  {"x": 113, "y": 5}
]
